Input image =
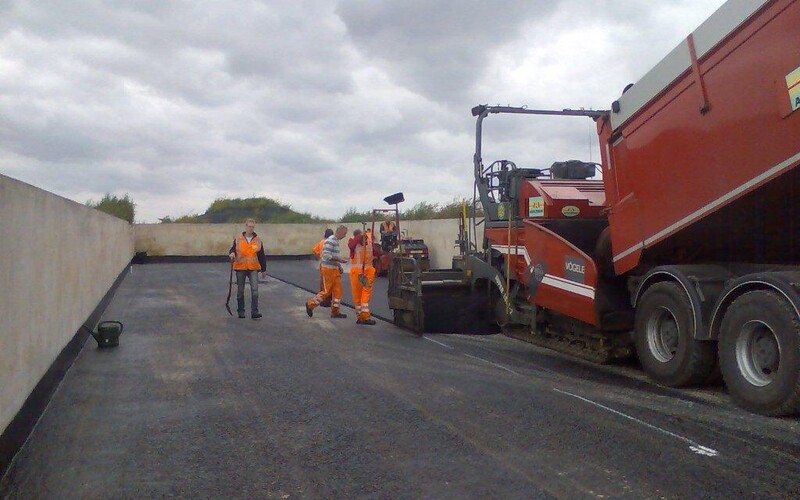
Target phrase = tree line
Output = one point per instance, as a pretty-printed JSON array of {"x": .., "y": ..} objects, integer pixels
[{"x": 235, "y": 210}]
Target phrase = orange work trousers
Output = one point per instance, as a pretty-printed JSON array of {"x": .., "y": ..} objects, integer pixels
[
  {"x": 361, "y": 293},
  {"x": 332, "y": 289},
  {"x": 326, "y": 302}
]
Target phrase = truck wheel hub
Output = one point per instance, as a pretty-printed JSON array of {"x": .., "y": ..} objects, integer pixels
[
  {"x": 758, "y": 353},
  {"x": 663, "y": 335}
]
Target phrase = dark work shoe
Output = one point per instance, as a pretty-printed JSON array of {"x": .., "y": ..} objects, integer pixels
[
  {"x": 338, "y": 315},
  {"x": 365, "y": 322},
  {"x": 241, "y": 314},
  {"x": 256, "y": 315},
  {"x": 309, "y": 311}
]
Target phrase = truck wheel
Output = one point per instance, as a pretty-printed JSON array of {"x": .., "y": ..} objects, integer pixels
[
  {"x": 759, "y": 350},
  {"x": 665, "y": 343}
]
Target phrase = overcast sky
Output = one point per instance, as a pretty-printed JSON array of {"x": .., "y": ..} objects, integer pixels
[{"x": 321, "y": 104}]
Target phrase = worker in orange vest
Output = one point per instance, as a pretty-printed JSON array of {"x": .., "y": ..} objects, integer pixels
[
  {"x": 362, "y": 275},
  {"x": 351, "y": 243},
  {"x": 318, "y": 247},
  {"x": 388, "y": 226},
  {"x": 247, "y": 255},
  {"x": 331, "y": 267},
  {"x": 318, "y": 252},
  {"x": 388, "y": 230}
]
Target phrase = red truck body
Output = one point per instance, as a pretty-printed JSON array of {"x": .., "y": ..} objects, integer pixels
[
  {"x": 687, "y": 146},
  {"x": 692, "y": 239},
  {"x": 710, "y": 124},
  {"x": 688, "y": 250}
]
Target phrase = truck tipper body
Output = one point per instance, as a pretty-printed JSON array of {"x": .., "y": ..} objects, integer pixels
[
  {"x": 686, "y": 253},
  {"x": 695, "y": 151}
]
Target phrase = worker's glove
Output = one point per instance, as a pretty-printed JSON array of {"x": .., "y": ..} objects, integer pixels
[{"x": 363, "y": 281}]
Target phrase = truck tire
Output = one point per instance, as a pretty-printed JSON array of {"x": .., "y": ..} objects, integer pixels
[
  {"x": 664, "y": 336},
  {"x": 759, "y": 351}
]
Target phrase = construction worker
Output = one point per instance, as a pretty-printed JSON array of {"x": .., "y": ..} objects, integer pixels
[
  {"x": 362, "y": 275},
  {"x": 331, "y": 267},
  {"x": 318, "y": 247},
  {"x": 352, "y": 242},
  {"x": 388, "y": 231},
  {"x": 318, "y": 252},
  {"x": 388, "y": 226},
  {"x": 247, "y": 255}
]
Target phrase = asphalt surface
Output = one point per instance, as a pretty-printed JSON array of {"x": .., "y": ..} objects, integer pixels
[{"x": 195, "y": 403}]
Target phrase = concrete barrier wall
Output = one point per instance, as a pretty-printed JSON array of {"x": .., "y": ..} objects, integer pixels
[
  {"x": 280, "y": 239},
  {"x": 58, "y": 259},
  {"x": 440, "y": 235},
  {"x": 193, "y": 240}
]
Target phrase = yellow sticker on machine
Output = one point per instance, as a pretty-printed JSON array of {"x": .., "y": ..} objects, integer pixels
[
  {"x": 536, "y": 206},
  {"x": 793, "y": 84},
  {"x": 794, "y": 96}
]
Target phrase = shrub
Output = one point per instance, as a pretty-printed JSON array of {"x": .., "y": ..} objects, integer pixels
[{"x": 124, "y": 207}]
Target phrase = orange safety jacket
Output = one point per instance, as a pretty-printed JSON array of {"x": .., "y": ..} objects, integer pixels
[
  {"x": 248, "y": 255},
  {"x": 362, "y": 256},
  {"x": 318, "y": 248}
]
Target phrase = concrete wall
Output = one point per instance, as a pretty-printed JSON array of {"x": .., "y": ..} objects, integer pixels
[
  {"x": 440, "y": 235},
  {"x": 58, "y": 259},
  {"x": 279, "y": 239},
  {"x": 216, "y": 239}
]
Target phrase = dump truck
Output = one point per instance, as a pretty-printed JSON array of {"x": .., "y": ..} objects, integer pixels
[{"x": 686, "y": 253}]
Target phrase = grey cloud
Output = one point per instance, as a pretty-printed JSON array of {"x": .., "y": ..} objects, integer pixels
[
  {"x": 319, "y": 103},
  {"x": 191, "y": 49},
  {"x": 439, "y": 49}
]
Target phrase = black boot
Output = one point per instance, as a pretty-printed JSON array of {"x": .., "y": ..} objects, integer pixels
[
  {"x": 240, "y": 307},
  {"x": 254, "y": 307}
]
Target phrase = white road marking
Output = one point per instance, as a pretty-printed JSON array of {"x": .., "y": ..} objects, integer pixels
[
  {"x": 693, "y": 445},
  {"x": 491, "y": 363},
  {"x": 437, "y": 342},
  {"x": 533, "y": 365}
]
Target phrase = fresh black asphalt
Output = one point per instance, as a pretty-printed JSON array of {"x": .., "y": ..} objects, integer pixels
[{"x": 195, "y": 403}]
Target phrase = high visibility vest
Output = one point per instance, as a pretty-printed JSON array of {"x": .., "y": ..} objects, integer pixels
[
  {"x": 318, "y": 248},
  {"x": 247, "y": 254},
  {"x": 362, "y": 253}
]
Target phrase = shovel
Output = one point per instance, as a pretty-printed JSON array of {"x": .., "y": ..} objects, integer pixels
[{"x": 230, "y": 288}]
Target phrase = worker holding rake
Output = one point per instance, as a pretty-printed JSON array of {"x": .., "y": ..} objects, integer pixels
[
  {"x": 362, "y": 275},
  {"x": 247, "y": 260}
]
